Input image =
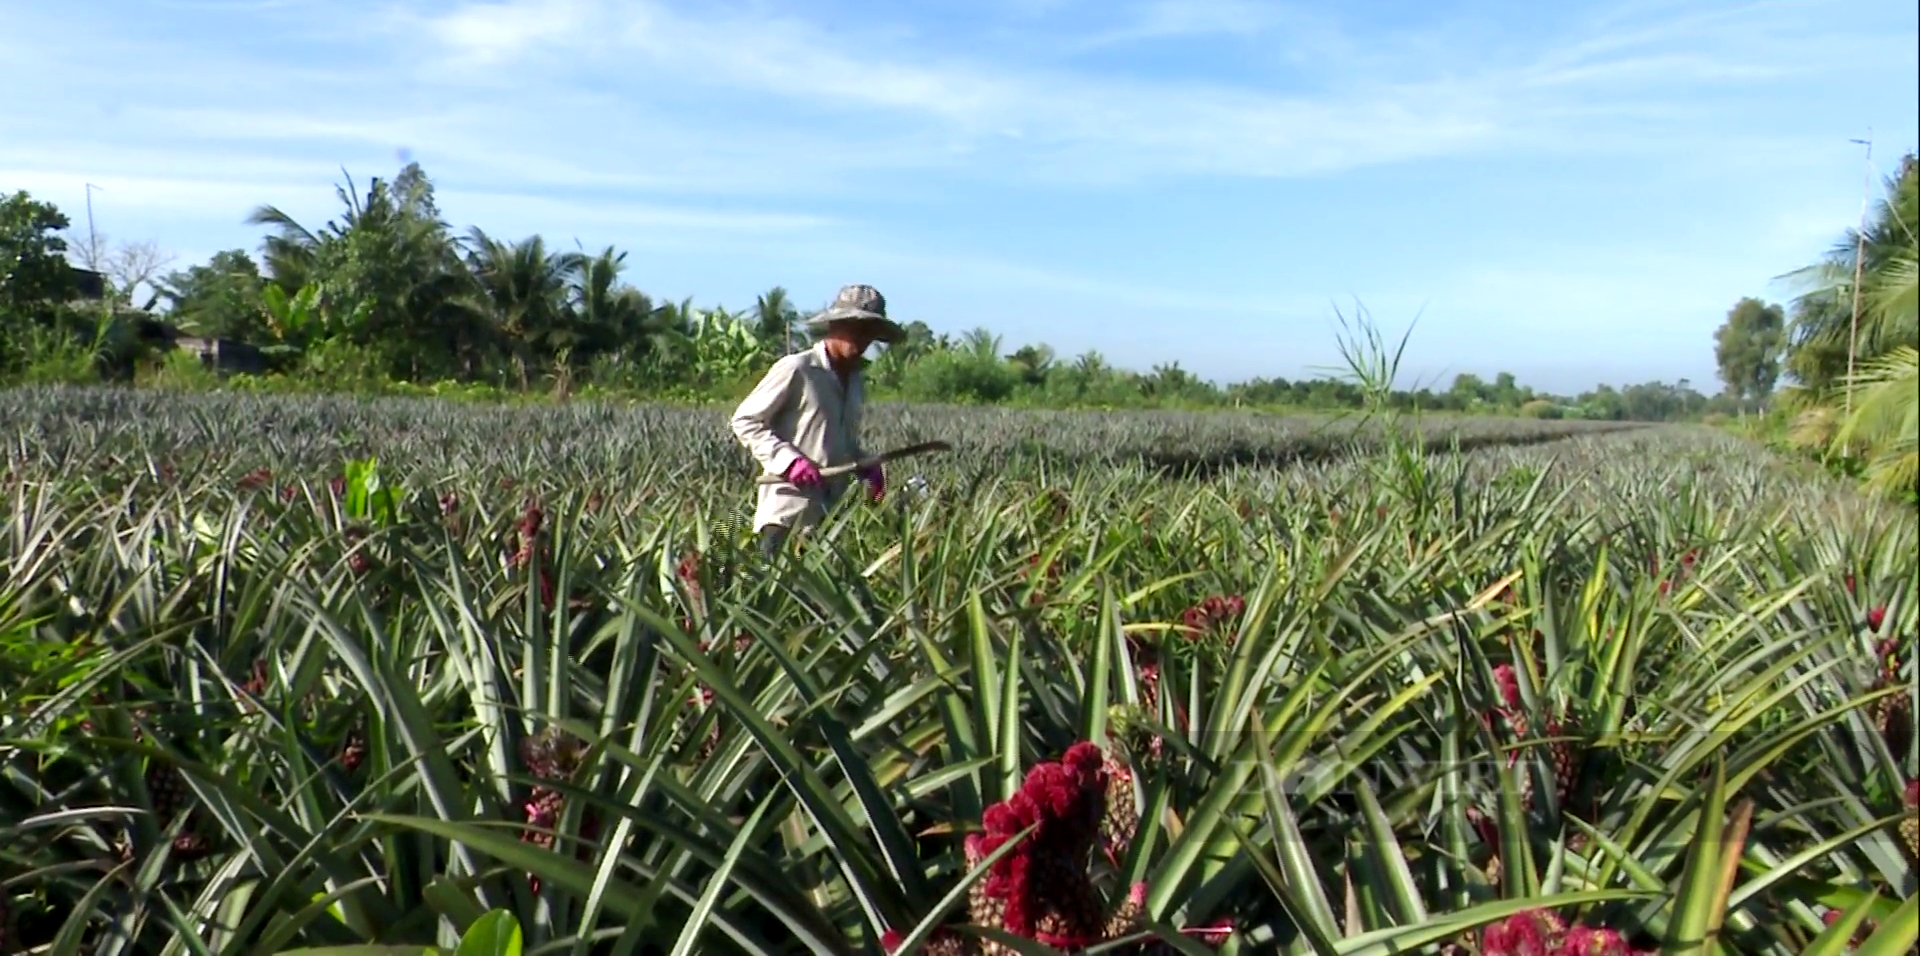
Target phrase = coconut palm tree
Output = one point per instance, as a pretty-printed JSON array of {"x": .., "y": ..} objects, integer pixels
[
  {"x": 618, "y": 319},
  {"x": 389, "y": 257},
  {"x": 1884, "y": 397},
  {"x": 1823, "y": 312},
  {"x": 522, "y": 290},
  {"x": 1870, "y": 414},
  {"x": 775, "y": 319}
]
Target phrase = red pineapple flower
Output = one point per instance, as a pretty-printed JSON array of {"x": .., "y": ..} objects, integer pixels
[
  {"x": 357, "y": 559},
  {"x": 1860, "y": 933},
  {"x": 1543, "y": 933},
  {"x": 1530, "y": 933},
  {"x": 1876, "y": 617},
  {"x": 1687, "y": 562},
  {"x": 1048, "y": 576},
  {"x": 1511, "y": 712},
  {"x": 552, "y": 756},
  {"x": 529, "y": 551},
  {"x": 1216, "y": 611},
  {"x": 1508, "y": 681},
  {"x": 1041, "y": 890}
]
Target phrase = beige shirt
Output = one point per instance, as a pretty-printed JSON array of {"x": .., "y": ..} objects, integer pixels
[{"x": 800, "y": 409}]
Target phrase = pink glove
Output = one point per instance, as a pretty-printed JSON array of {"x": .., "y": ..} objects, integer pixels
[
  {"x": 803, "y": 473},
  {"x": 876, "y": 482}
]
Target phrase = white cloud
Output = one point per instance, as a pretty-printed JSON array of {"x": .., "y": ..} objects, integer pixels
[
  {"x": 631, "y": 95},
  {"x": 228, "y": 197},
  {"x": 1059, "y": 124},
  {"x": 491, "y": 33},
  {"x": 1169, "y": 19}
]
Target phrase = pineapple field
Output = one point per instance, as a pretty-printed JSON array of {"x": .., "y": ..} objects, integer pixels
[{"x": 304, "y": 674}]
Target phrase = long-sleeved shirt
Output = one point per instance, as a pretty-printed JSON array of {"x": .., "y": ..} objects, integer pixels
[{"x": 800, "y": 409}]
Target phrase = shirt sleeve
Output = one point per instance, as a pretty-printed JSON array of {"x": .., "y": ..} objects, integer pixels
[{"x": 753, "y": 420}]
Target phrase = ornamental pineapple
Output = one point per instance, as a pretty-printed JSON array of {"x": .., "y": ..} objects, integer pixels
[
  {"x": 1566, "y": 757},
  {"x": 1544, "y": 932},
  {"x": 167, "y": 790},
  {"x": 1043, "y": 890},
  {"x": 354, "y": 750},
  {"x": 1910, "y": 827},
  {"x": 1892, "y": 715},
  {"x": 1563, "y": 755},
  {"x": 1122, "y": 820},
  {"x": 553, "y": 754},
  {"x": 170, "y": 794}
]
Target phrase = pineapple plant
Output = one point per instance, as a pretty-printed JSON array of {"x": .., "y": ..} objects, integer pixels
[{"x": 919, "y": 683}]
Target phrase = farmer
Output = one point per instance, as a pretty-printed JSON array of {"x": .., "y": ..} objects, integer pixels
[{"x": 805, "y": 415}]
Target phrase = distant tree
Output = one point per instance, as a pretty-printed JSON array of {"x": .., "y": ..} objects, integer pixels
[
  {"x": 1467, "y": 390},
  {"x": 127, "y": 266},
  {"x": 1032, "y": 362},
  {"x": 1748, "y": 347},
  {"x": 1507, "y": 392},
  {"x": 34, "y": 273},
  {"x": 775, "y": 318},
  {"x": 220, "y": 299}
]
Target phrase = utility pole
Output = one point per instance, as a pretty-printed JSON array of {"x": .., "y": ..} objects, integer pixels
[{"x": 1859, "y": 266}]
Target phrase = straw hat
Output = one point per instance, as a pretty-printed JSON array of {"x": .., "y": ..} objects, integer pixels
[{"x": 862, "y": 305}]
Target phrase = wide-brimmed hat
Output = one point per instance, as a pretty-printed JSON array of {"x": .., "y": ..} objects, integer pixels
[{"x": 861, "y": 304}]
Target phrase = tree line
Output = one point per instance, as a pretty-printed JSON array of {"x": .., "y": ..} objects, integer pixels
[{"x": 389, "y": 292}]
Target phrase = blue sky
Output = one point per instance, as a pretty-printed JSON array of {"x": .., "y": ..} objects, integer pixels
[{"x": 1575, "y": 192}]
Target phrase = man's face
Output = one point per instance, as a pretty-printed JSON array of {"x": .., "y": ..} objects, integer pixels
[{"x": 857, "y": 335}]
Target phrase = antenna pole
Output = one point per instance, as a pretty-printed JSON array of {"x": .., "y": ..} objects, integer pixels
[
  {"x": 1859, "y": 267},
  {"x": 93, "y": 243}
]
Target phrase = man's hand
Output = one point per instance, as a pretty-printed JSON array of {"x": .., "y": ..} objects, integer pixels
[
  {"x": 803, "y": 473},
  {"x": 876, "y": 480}
]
